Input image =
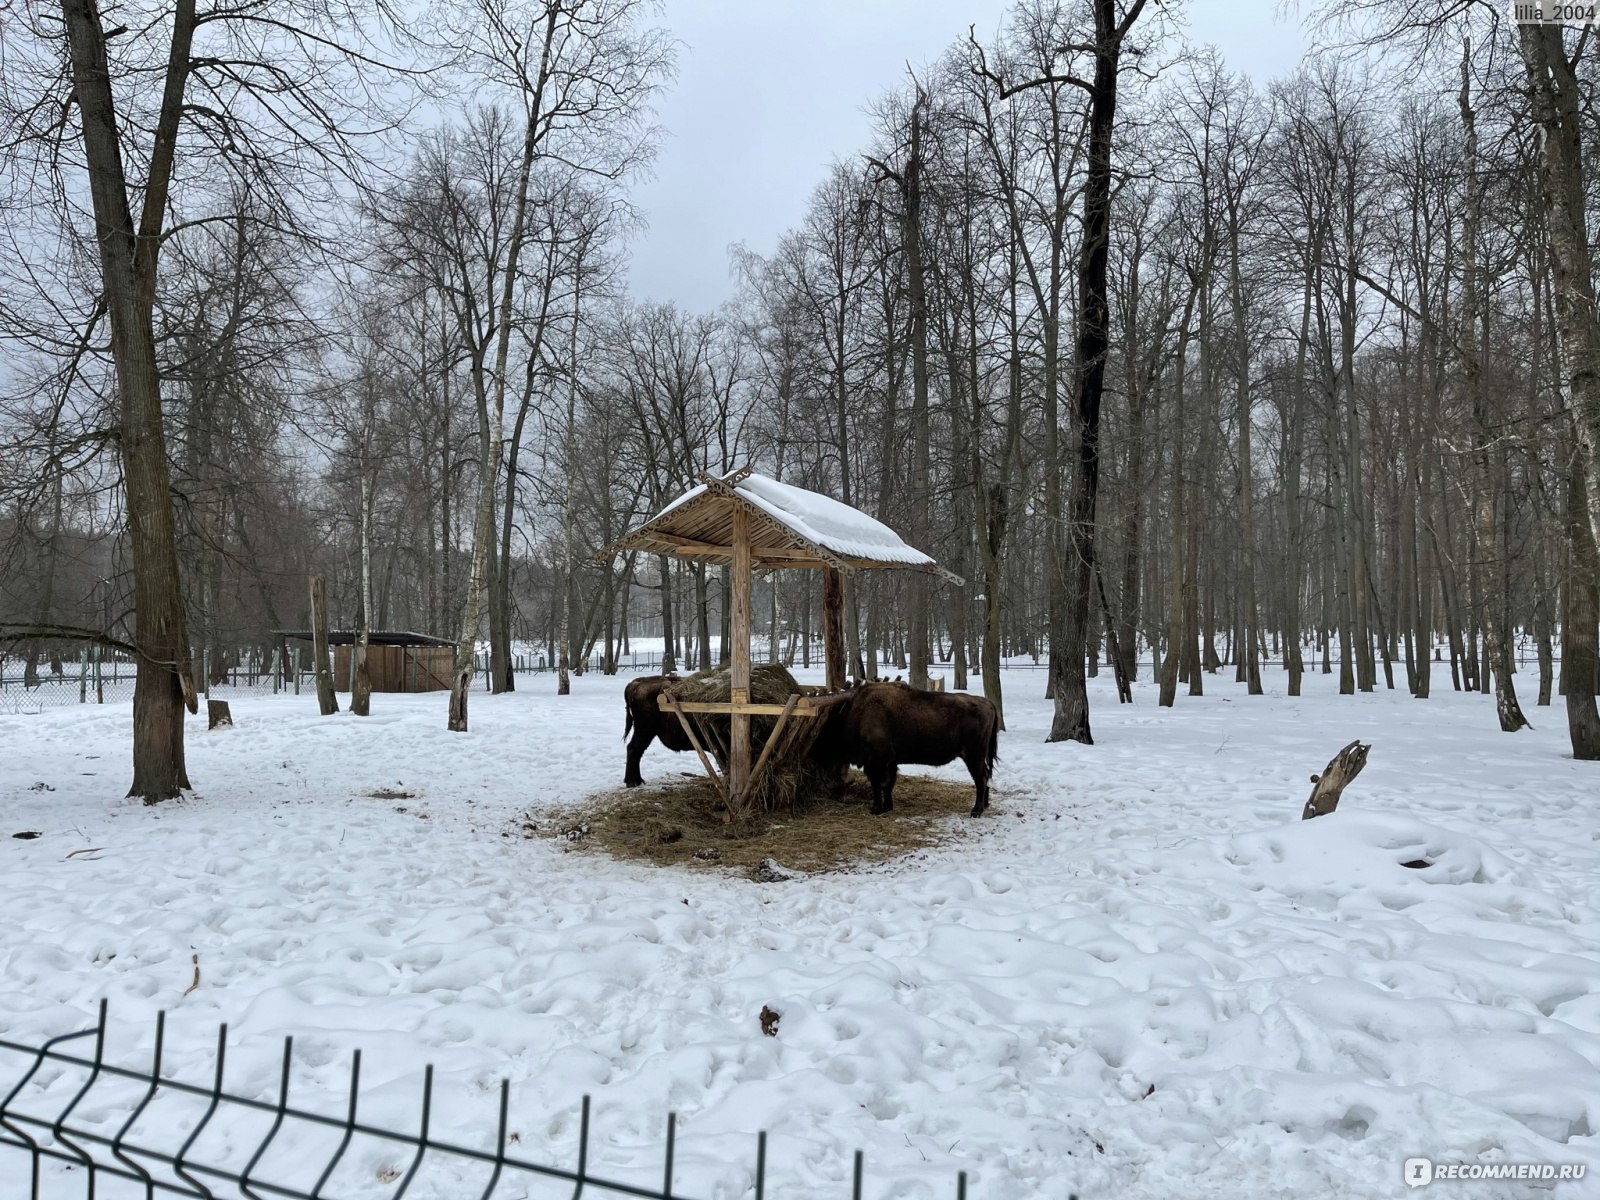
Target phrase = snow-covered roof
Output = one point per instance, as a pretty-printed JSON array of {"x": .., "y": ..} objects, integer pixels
[{"x": 794, "y": 526}]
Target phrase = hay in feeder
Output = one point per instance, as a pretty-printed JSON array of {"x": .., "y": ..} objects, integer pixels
[
  {"x": 770, "y": 683},
  {"x": 791, "y": 780}
]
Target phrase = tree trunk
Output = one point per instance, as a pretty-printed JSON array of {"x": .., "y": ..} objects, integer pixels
[
  {"x": 1541, "y": 631},
  {"x": 327, "y": 701},
  {"x": 1554, "y": 92},
  {"x": 483, "y": 519},
  {"x": 361, "y": 684},
  {"x": 702, "y": 614},
  {"x": 1249, "y": 664},
  {"x": 833, "y": 627},
  {"x": 164, "y": 684},
  {"x": 1496, "y": 615},
  {"x": 1177, "y": 593},
  {"x": 669, "y": 662},
  {"x": 918, "y": 583},
  {"x": 1580, "y": 657},
  {"x": 502, "y": 677},
  {"x": 1293, "y": 510},
  {"x": 1071, "y": 717},
  {"x": 569, "y": 468}
]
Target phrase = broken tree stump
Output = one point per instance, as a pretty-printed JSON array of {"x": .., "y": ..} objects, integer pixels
[
  {"x": 217, "y": 713},
  {"x": 1335, "y": 777}
]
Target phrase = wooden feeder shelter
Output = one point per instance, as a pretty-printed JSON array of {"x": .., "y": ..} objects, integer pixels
[{"x": 748, "y": 521}]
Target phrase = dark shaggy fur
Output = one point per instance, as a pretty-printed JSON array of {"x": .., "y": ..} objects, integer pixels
[
  {"x": 883, "y": 726},
  {"x": 647, "y": 722}
]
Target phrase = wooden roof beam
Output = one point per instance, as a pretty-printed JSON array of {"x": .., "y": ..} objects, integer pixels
[{"x": 689, "y": 546}]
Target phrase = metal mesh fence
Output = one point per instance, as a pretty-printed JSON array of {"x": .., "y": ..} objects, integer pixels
[{"x": 107, "y": 1132}]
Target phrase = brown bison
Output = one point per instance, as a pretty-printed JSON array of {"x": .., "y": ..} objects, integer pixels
[
  {"x": 882, "y": 726},
  {"x": 647, "y": 722}
]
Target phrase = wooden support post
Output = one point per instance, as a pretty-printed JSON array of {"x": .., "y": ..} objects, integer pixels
[
  {"x": 739, "y": 681},
  {"x": 833, "y": 626},
  {"x": 326, "y": 700}
]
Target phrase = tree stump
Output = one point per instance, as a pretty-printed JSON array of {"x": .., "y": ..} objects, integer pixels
[
  {"x": 217, "y": 713},
  {"x": 1335, "y": 777}
]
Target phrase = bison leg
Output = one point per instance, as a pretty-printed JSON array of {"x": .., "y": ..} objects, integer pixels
[
  {"x": 637, "y": 745},
  {"x": 882, "y": 776},
  {"x": 980, "y": 780}
]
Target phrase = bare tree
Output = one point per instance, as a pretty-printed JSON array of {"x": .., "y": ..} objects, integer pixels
[
  {"x": 907, "y": 177},
  {"x": 276, "y": 76},
  {"x": 1111, "y": 28},
  {"x": 1474, "y": 335},
  {"x": 582, "y": 72}
]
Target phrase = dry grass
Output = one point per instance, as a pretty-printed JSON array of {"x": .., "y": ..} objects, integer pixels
[{"x": 680, "y": 823}]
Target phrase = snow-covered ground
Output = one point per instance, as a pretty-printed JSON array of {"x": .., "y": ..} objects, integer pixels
[{"x": 1141, "y": 977}]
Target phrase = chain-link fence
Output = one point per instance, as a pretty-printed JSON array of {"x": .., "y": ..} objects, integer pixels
[
  {"x": 96, "y": 677},
  {"x": 92, "y": 676}
]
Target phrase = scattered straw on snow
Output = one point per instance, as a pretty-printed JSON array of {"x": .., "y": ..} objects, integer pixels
[{"x": 679, "y": 822}]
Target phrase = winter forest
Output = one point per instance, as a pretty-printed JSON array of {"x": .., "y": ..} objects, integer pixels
[
  {"x": 1113, "y": 433},
  {"x": 1180, "y": 373}
]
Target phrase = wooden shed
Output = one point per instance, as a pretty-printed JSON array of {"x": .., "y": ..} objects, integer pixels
[
  {"x": 397, "y": 660},
  {"x": 751, "y": 521}
]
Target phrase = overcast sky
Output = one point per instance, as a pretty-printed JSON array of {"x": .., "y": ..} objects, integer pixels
[{"x": 769, "y": 92}]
